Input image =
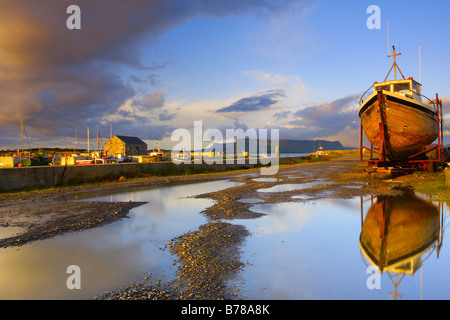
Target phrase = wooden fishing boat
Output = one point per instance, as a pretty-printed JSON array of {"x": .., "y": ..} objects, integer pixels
[
  {"x": 398, "y": 231},
  {"x": 396, "y": 120}
]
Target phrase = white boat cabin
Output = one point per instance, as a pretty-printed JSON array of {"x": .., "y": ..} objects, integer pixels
[{"x": 408, "y": 88}]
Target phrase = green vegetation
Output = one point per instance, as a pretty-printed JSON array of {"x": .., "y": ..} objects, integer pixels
[
  {"x": 299, "y": 160},
  {"x": 433, "y": 184}
]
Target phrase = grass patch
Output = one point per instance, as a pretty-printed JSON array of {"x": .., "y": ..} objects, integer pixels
[
  {"x": 297, "y": 160},
  {"x": 433, "y": 184}
]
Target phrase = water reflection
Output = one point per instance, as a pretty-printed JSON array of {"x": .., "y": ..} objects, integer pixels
[
  {"x": 111, "y": 256},
  {"x": 310, "y": 249},
  {"x": 398, "y": 234},
  {"x": 296, "y": 250}
]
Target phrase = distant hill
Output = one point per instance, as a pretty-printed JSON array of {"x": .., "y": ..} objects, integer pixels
[
  {"x": 297, "y": 146},
  {"x": 307, "y": 146}
]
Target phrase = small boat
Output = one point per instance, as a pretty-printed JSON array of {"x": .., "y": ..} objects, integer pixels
[
  {"x": 40, "y": 161},
  {"x": 320, "y": 152},
  {"x": 156, "y": 151},
  {"x": 396, "y": 120}
]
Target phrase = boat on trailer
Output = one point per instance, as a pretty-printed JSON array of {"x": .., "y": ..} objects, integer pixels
[{"x": 397, "y": 119}]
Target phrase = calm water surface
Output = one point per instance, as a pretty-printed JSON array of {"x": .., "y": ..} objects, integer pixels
[
  {"x": 111, "y": 256},
  {"x": 297, "y": 250},
  {"x": 312, "y": 251}
]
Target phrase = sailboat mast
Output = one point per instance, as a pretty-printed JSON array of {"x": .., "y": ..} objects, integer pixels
[
  {"x": 21, "y": 130},
  {"x": 75, "y": 142}
]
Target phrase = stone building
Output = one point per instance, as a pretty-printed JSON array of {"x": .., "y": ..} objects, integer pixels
[{"x": 127, "y": 146}]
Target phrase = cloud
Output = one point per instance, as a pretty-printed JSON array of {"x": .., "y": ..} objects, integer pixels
[
  {"x": 59, "y": 79},
  {"x": 445, "y": 105},
  {"x": 293, "y": 86},
  {"x": 331, "y": 119},
  {"x": 254, "y": 103},
  {"x": 150, "y": 101},
  {"x": 143, "y": 131},
  {"x": 282, "y": 115},
  {"x": 166, "y": 116}
]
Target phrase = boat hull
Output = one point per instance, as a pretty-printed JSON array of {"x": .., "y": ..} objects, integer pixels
[{"x": 408, "y": 125}]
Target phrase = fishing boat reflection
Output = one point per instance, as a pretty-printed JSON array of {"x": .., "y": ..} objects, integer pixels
[{"x": 398, "y": 234}]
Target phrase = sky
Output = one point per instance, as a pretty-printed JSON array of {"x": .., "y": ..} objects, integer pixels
[{"x": 148, "y": 67}]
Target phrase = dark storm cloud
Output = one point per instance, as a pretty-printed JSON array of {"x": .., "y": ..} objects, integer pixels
[
  {"x": 254, "y": 103},
  {"x": 56, "y": 78}
]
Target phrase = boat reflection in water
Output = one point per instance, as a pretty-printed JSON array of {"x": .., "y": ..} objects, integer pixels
[{"x": 398, "y": 234}]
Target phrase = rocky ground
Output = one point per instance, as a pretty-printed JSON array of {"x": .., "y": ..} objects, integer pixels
[{"x": 209, "y": 257}]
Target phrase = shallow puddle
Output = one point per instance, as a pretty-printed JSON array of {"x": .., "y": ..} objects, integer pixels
[
  {"x": 312, "y": 251},
  {"x": 302, "y": 197},
  {"x": 251, "y": 200},
  {"x": 111, "y": 256}
]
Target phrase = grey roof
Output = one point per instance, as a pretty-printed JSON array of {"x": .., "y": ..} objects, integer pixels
[{"x": 131, "y": 140}]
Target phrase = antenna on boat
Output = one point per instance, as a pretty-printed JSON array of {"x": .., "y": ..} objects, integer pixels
[
  {"x": 394, "y": 65},
  {"x": 420, "y": 66}
]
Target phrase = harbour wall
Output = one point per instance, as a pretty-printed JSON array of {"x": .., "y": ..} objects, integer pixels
[{"x": 49, "y": 176}]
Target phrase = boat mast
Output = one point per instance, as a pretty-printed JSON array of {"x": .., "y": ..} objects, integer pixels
[
  {"x": 99, "y": 143},
  {"x": 75, "y": 142},
  {"x": 394, "y": 65},
  {"x": 21, "y": 131}
]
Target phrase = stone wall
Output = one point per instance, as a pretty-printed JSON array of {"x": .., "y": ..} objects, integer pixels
[
  {"x": 136, "y": 149},
  {"x": 48, "y": 176}
]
